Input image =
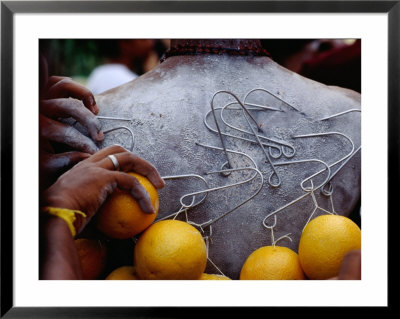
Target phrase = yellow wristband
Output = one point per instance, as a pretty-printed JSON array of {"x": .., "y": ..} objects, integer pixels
[{"x": 68, "y": 215}]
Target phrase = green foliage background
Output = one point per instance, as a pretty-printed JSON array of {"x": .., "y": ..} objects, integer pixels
[{"x": 71, "y": 57}]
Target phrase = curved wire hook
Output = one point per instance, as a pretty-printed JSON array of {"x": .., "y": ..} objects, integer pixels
[
  {"x": 308, "y": 189},
  {"x": 254, "y": 133},
  {"x": 257, "y": 172},
  {"x": 250, "y": 179},
  {"x": 112, "y": 118},
  {"x": 282, "y": 144},
  {"x": 316, "y": 188},
  {"x": 268, "y": 92},
  {"x": 325, "y": 192},
  {"x": 286, "y": 206},
  {"x": 288, "y": 155},
  {"x": 340, "y": 113},
  {"x": 229, "y": 151},
  {"x": 125, "y": 128},
  {"x": 194, "y": 197},
  {"x": 329, "y": 192},
  {"x": 225, "y": 186},
  {"x": 270, "y": 146},
  {"x": 267, "y": 226}
]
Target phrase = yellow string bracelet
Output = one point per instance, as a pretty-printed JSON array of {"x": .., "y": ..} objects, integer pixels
[{"x": 68, "y": 215}]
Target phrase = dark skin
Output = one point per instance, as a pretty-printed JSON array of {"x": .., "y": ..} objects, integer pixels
[
  {"x": 85, "y": 187},
  {"x": 351, "y": 266},
  {"x": 80, "y": 178},
  {"x": 60, "y": 98}
]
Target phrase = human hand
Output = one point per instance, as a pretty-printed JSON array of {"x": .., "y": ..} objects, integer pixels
[
  {"x": 64, "y": 98},
  {"x": 60, "y": 97},
  {"x": 86, "y": 186},
  {"x": 351, "y": 266}
]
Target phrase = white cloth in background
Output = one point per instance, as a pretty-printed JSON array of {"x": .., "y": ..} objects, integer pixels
[{"x": 108, "y": 76}]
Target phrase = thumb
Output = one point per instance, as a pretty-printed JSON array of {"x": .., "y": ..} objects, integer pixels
[{"x": 131, "y": 184}]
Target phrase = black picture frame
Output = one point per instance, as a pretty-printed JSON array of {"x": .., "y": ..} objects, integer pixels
[{"x": 9, "y": 8}]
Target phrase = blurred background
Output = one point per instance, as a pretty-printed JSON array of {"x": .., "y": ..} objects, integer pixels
[{"x": 101, "y": 64}]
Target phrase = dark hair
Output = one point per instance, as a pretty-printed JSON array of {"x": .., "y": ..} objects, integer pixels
[
  {"x": 108, "y": 48},
  {"x": 282, "y": 48}
]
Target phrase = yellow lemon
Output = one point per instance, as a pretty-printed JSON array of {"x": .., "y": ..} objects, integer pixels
[
  {"x": 170, "y": 249},
  {"x": 205, "y": 276},
  {"x": 123, "y": 273},
  {"x": 272, "y": 263},
  {"x": 121, "y": 217},
  {"x": 92, "y": 255},
  {"x": 324, "y": 242}
]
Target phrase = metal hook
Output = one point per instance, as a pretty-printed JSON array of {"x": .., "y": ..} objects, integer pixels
[
  {"x": 206, "y": 191},
  {"x": 316, "y": 188},
  {"x": 307, "y": 189},
  {"x": 270, "y": 146},
  {"x": 225, "y": 186},
  {"x": 236, "y": 184},
  {"x": 112, "y": 118},
  {"x": 340, "y": 113},
  {"x": 254, "y": 133},
  {"x": 182, "y": 209},
  {"x": 125, "y": 128},
  {"x": 325, "y": 192},
  {"x": 194, "y": 197},
  {"x": 269, "y": 227},
  {"x": 329, "y": 192},
  {"x": 268, "y": 92},
  {"x": 281, "y": 143},
  {"x": 229, "y": 151},
  {"x": 219, "y": 130},
  {"x": 311, "y": 192},
  {"x": 273, "y": 241},
  {"x": 286, "y": 206},
  {"x": 262, "y": 107}
]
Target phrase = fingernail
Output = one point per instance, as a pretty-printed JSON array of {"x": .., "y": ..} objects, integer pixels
[
  {"x": 93, "y": 150},
  {"x": 161, "y": 184},
  {"x": 91, "y": 101},
  {"x": 149, "y": 210},
  {"x": 100, "y": 136},
  {"x": 96, "y": 109}
]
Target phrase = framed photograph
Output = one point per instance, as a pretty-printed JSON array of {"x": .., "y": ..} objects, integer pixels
[{"x": 65, "y": 29}]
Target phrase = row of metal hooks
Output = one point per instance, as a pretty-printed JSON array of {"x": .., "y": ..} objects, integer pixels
[
  {"x": 280, "y": 148},
  {"x": 276, "y": 149}
]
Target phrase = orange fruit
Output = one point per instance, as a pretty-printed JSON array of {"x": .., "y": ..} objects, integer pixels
[
  {"x": 121, "y": 217},
  {"x": 92, "y": 255},
  {"x": 205, "y": 276},
  {"x": 324, "y": 242},
  {"x": 123, "y": 273},
  {"x": 272, "y": 263},
  {"x": 170, "y": 249}
]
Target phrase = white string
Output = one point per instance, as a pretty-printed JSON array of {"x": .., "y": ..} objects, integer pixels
[
  {"x": 207, "y": 240},
  {"x": 316, "y": 207}
]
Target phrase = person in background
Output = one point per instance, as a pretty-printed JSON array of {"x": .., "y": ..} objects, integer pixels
[
  {"x": 329, "y": 61},
  {"x": 126, "y": 59}
]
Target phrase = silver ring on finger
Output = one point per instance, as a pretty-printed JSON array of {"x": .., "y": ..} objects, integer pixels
[{"x": 114, "y": 161}]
